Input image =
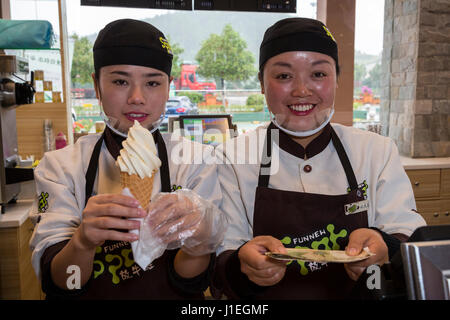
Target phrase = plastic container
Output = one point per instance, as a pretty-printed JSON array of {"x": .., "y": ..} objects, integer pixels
[
  {"x": 60, "y": 141},
  {"x": 49, "y": 137}
]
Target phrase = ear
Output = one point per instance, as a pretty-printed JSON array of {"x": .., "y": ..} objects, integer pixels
[{"x": 96, "y": 86}]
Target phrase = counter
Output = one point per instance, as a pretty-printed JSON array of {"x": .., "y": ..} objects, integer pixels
[
  {"x": 425, "y": 163},
  {"x": 16, "y": 214},
  {"x": 17, "y": 277}
]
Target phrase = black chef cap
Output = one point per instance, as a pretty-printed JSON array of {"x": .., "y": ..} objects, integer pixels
[
  {"x": 297, "y": 34},
  {"x": 132, "y": 42}
]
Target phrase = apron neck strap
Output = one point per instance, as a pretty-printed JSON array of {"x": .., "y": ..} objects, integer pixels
[
  {"x": 162, "y": 153},
  {"x": 91, "y": 172},
  {"x": 344, "y": 160},
  {"x": 114, "y": 149},
  {"x": 266, "y": 159}
]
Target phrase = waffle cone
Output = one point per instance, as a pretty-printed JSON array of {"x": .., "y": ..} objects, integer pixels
[{"x": 140, "y": 188}]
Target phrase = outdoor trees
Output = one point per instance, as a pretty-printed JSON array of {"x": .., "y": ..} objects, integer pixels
[
  {"x": 225, "y": 57},
  {"x": 360, "y": 73},
  {"x": 176, "y": 63},
  {"x": 370, "y": 78},
  {"x": 374, "y": 78},
  {"x": 82, "y": 63}
]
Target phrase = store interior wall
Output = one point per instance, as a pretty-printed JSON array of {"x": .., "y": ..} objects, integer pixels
[{"x": 415, "y": 96}]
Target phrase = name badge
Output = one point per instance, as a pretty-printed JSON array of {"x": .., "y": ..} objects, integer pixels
[{"x": 356, "y": 207}]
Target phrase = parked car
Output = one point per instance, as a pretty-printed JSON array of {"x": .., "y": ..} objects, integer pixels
[
  {"x": 180, "y": 105},
  {"x": 176, "y": 106}
]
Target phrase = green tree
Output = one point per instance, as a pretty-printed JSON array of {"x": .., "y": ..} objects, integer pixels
[
  {"x": 359, "y": 73},
  {"x": 82, "y": 63},
  {"x": 177, "y": 50},
  {"x": 225, "y": 57},
  {"x": 374, "y": 78}
]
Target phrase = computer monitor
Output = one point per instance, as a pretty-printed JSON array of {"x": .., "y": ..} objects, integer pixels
[
  {"x": 207, "y": 129},
  {"x": 173, "y": 123},
  {"x": 426, "y": 264}
]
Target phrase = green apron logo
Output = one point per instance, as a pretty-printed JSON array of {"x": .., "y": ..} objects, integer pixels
[
  {"x": 175, "y": 187},
  {"x": 324, "y": 243},
  {"x": 43, "y": 202},
  {"x": 362, "y": 186},
  {"x": 120, "y": 265}
]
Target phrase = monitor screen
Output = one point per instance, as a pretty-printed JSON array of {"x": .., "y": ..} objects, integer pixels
[
  {"x": 206, "y": 129},
  {"x": 427, "y": 269}
]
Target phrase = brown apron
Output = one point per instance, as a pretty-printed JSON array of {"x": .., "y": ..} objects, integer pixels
[
  {"x": 307, "y": 220},
  {"x": 115, "y": 274}
]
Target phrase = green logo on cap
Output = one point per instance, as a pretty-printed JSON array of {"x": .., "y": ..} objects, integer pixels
[
  {"x": 165, "y": 44},
  {"x": 329, "y": 33}
]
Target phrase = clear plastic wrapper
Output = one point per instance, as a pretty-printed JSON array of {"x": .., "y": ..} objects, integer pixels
[
  {"x": 147, "y": 248},
  {"x": 181, "y": 219},
  {"x": 185, "y": 220}
]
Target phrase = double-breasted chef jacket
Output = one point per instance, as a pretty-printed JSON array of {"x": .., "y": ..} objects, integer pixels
[
  {"x": 313, "y": 198},
  {"x": 63, "y": 184}
]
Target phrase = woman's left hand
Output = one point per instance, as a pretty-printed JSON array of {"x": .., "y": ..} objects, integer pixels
[
  {"x": 183, "y": 219},
  {"x": 359, "y": 239}
]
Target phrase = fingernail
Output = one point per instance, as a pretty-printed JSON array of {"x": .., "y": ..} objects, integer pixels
[
  {"x": 134, "y": 237},
  {"x": 352, "y": 251},
  {"x": 141, "y": 212}
]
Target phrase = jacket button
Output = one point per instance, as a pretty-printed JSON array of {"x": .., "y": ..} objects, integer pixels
[{"x": 307, "y": 168}]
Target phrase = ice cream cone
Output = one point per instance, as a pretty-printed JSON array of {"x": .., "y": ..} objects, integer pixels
[
  {"x": 138, "y": 163},
  {"x": 140, "y": 188}
]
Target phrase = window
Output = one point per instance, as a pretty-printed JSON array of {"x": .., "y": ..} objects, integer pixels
[
  {"x": 367, "y": 68},
  {"x": 211, "y": 93}
]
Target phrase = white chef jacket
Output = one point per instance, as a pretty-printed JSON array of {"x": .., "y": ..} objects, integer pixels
[
  {"x": 60, "y": 184},
  {"x": 374, "y": 159}
]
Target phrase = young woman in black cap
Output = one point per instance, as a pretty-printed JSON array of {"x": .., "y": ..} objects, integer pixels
[
  {"x": 82, "y": 230},
  {"x": 315, "y": 185}
]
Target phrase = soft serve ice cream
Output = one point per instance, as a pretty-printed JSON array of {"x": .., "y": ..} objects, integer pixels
[
  {"x": 138, "y": 155},
  {"x": 138, "y": 163}
]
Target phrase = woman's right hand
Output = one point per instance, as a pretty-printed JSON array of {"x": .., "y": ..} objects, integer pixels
[
  {"x": 258, "y": 267},
  {"x": 104, "y": 214}
]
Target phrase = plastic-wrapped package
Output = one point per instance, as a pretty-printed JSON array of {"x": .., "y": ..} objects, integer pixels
[
  {"x": 181, "y": 219},
  {"x": 26, "y": 34},
  {"x": 147, "y": 248}
]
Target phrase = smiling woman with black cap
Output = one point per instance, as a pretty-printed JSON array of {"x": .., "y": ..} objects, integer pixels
[
  {"x": 85, "y": 222},
  {"x": 315, "y": 185}
]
